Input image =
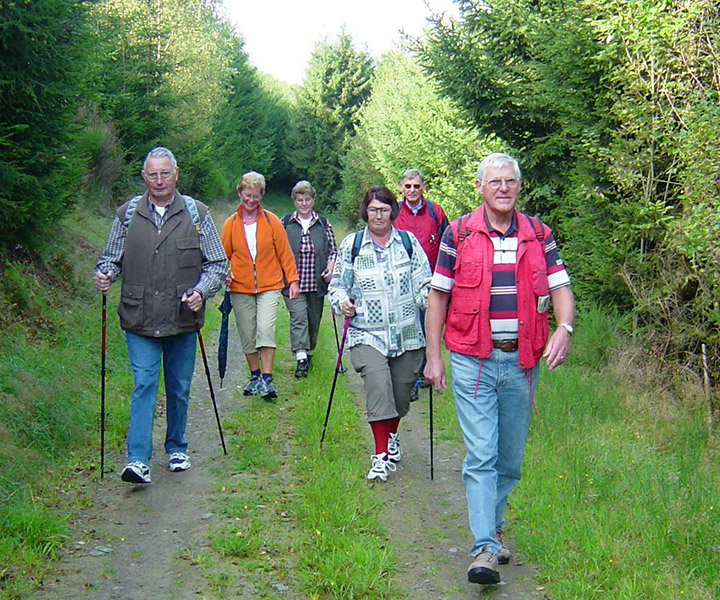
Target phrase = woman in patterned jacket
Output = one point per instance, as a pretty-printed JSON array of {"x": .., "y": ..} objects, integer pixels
[{"x": 380, "y": 282}]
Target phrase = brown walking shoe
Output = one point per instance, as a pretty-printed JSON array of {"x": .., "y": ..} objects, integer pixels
[
  {"x": 504, "y": 555},
  {"x": 484, "y": 568}
]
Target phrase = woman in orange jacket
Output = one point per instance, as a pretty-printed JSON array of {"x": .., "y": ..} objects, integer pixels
[{"x": 261, "y": 263}]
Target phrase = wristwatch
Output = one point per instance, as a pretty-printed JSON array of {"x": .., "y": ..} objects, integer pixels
[{"x": 569, "y": 328}]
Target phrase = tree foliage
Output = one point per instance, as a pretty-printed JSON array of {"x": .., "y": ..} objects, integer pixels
[
  {"x": 161, "y": 71},
  {"x": 612, "y": 107},
  {"x": 412, "y": 126},
  {"x": 337, "y": 84},
  {"x": 41, "y": 74},
  {"x": 251, "y": 127}
]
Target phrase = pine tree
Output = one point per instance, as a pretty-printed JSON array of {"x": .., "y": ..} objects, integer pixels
[
  {"x": 337, "y": 84},
  {"x": 41, "y": 66}
]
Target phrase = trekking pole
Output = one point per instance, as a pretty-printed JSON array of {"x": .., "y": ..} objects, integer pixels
[
  {"x": 337, "y": 342},
  {"x": 430, "y": 402},
  {"x": 102, "y": 384},
  {"x": 341, "y": 346},
  {"x": 189, "y": 293}
]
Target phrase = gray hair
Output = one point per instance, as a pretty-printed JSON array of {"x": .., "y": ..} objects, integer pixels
[
  {"x": 496, "y": 160},
  {"x": 412, "y": 174},
  {"x": 303, "y": 187},
  {"x": 161, "y": 152}
]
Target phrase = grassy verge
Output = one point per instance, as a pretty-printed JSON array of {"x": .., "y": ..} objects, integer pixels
[
  {"x": 297, "y": 516},
  {"x": 49, "y": 397},
  {"x": 621, "y": 487}
]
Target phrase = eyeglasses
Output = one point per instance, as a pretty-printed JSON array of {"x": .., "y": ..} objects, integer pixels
[
  {"x": 410, "y": 186},
  {"x": 379, "y": 211},
  {"x": 494, "y": 184},
  {"x": 164, "y": 175}
]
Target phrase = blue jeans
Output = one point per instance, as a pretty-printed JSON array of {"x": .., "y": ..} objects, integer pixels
[
  {"x": 178, "y": 357},
  {"x": 493, "y": 408}
]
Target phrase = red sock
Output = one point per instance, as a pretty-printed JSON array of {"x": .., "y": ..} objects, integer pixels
[
  {"x": 381, "y": 432},
  {"x": 394, "y": 424}
]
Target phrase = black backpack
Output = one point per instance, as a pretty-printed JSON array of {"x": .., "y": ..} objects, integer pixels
[{"x": 357, "y": 242}]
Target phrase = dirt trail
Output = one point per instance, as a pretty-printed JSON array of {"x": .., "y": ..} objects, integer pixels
[
  {"x": 138, "y": 542},
  {"x": 141, "y": 542},
  {"x": 428, "y": 520}
]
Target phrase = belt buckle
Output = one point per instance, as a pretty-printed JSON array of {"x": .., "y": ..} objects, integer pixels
[{"x": 506, "y": 345}]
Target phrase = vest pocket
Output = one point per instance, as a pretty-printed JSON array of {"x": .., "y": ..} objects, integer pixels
[
  {"x": 540, "y": 283},
  {"x": 462, "y": 319},
  {"x": 469, "y": 274},
  {"x": 188, "y": 252},
  {"x": 130, "y": 309},
  {"x": 541, "y": 291}
]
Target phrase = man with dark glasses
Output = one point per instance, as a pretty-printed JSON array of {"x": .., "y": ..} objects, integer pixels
[{"x": 427, "y": 221}]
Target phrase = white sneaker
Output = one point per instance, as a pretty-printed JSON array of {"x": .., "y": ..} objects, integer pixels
[
  {"x": 178, "y": 461},
  {"x": 136, "y": 472},
  {"x": 394, "y": 452},
  {"x": 380, "y": 467}
]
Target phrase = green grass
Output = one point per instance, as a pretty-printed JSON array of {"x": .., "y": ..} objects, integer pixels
[
  {"x": 297, "y": 513},
  {"x": 49, "y": 398},
  {"x": 620, "y": 494}
]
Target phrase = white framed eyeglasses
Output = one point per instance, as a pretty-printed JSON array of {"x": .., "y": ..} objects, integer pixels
[{"x": 164, "y": 175}]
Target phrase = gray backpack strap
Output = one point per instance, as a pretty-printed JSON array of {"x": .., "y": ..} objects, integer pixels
[
  {"x": 192, "y": 208},
  {"x": 190, "y": 204},
  {"x": 130, "y": 213}
]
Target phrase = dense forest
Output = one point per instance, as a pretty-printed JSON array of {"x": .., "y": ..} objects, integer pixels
[{"x": 612, "y": 107}]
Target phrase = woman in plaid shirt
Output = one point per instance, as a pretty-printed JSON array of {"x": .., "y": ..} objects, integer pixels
[{"x": 313, "y": 243}]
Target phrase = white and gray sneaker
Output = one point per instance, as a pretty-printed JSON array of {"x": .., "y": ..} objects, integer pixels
[
  {"x": 380, "y": 467},
  {"x": 136, "y": 472},
  {"x": 394, "y": 452},
  {"x": 178, "y": 461}
]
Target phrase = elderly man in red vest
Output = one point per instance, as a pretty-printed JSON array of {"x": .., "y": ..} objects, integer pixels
[
  {"x": 497, "y": 271},
  {"x": 166, "y": 245}
]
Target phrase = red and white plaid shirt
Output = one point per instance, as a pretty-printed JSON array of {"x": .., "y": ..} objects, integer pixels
[{"x": 305, "y": 260}]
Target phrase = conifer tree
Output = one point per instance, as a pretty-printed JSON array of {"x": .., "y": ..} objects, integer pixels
[
  {"x": 41, "y": 66},
  {"x": 338, "y": 82}
]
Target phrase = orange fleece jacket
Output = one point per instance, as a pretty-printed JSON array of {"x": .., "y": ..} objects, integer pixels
[{"x": 274, "y": 265}]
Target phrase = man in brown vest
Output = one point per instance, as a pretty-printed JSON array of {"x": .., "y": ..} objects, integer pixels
[{"x": 164, "y": 244}]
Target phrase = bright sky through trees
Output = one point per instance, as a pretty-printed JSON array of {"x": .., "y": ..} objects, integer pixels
[{"x": 281, "y": 35}]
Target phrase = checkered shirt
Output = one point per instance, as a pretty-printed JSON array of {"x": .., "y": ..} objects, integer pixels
[{"x": 305, "y": 259}]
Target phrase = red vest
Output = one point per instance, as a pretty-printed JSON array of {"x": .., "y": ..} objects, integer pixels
[{"x": 467, "y": 328}]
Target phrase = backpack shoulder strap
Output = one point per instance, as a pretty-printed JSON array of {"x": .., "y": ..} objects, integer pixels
[
  {"x": 440, "y": 223},
  {"x": 130, "y": 213},
  {"x": 431, "y": 210},
  {"x": 357, "y": 242},
  {"x": 286, "y": 219},
  {"x": 461, "y": 231},
  {"x": 538, "y": 228},
  {"x": 406, "y": 242},
  {"x": 190, "y": 204},
  {"x": 192, "y": 208}
]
